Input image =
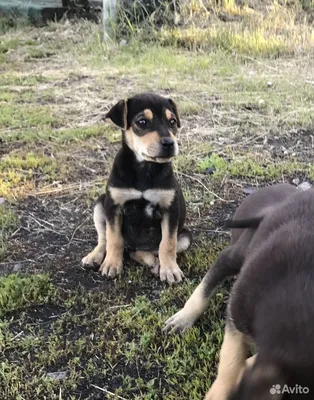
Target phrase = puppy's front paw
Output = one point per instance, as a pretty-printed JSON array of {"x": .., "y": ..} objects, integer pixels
[
  {"x": 171, "y": 273},
  {"x": 111, "y": 267},
  {"x": 179, "y": 322},
  {"x": 95, "y": 257}
]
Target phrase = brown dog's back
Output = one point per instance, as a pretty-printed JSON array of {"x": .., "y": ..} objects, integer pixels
[{"x": 257, "y": 204}]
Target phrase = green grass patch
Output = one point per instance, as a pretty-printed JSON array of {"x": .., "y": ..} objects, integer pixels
[
  {"x": 18, "y": 291},
  {"x": 7, "y": 45},
  {"x": 63, "y": 135},
  {"x": 252, "y": 167},
  {"x": 28, "y": 162},
  {"x": 15, "y": 78},
  {"x": 23, "y": 116},
  {"x": 8, "y": 222},
  {"x": 17, "y": 172}
]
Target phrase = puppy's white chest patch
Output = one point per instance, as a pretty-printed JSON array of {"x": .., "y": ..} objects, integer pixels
[
  {"x": 160, "y": 197},
  {"x": 121, "y": 195},
  {"x": 155, "y": 197}
]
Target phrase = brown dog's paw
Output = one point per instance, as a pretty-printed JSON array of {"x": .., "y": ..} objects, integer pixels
[
  {"x": 111, "y": 267},
  {"x": 179, "y": 322},
  {"x": 171, "y": 273},
  {"x": 95, "y": 257}
]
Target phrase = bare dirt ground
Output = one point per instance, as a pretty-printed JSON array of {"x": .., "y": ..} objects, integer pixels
[{"x": 248, "y": 122}]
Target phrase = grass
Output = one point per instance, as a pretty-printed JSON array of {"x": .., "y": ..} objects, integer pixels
[
  {"x": 17, "y": 291},
  {"x": 8, "y": 222},
  {"x": 242, "y": 77}
]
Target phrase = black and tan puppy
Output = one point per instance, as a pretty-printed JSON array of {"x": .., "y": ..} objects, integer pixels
[
  {"x": 143, "y": 209},
  {"x": 271, "y": 305},
  {"x": 230, "y": 261}
]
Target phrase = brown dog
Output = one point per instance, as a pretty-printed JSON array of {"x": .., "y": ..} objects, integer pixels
[
  {"x": 231, "y": 260},
  {"x": 271, "y": 305}
]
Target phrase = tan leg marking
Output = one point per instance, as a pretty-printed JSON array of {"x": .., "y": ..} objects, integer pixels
[
  {"x": 112, "y": 266},
  {"x": 192, "y": 310},
  {"x": 233, "y": 355},
  {"x": 98, "y": 254},
  {"x": 146, "y": 258},
  {"x": 169, "y": 269}
]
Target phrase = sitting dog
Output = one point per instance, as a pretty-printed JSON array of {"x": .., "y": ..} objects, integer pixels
[
  {"x": 231, "y": 259},
  {"x": 143, "y": 210},
  {"x": 271, "y": 304}
]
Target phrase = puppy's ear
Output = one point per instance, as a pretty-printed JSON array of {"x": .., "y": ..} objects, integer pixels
[
  {"x": 118, "y": 114},
  {"x": 175, "y": 110},
  {"x": 262, "y": 381}
]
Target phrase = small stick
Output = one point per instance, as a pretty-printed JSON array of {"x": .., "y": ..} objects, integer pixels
[
  {"x": 201, "y": 183},
  {"x": 16, "y": 336},
  {"x": 76, "y": 229},
  {"x": 107, "y": 391}
]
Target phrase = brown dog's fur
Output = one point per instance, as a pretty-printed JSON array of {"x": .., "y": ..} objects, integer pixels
[
  {"x": 272, "y": 304},
  {"x": 231, "y": 260}
]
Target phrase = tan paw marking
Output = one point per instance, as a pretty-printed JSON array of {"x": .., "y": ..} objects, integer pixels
[
  {"x": 95, "y": 257},
  {"x": 181, "y": 321},
  {"x": 171, "y": 273},
  {"x": 111, "y": 267}
]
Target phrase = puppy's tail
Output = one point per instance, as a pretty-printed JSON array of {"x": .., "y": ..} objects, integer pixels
[{"x": 250, "y": 223}]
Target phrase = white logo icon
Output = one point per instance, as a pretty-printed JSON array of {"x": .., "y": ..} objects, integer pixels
[{"x": 275, "y": 389}]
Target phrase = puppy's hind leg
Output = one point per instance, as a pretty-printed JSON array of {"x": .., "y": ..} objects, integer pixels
[
  {"x": 151, "y": 258},
  {"x": 184, "y": 240},
  {"x": 228, "y": 263},
  {"x": 98, "y": 254},
  {"x": 146, "y": 258}
]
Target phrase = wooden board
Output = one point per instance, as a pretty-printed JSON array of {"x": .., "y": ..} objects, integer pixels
[{"x": 31, "y": 3}]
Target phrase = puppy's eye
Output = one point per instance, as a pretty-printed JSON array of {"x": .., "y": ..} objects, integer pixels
[
  {"x": 173, "y": 122},
  {"x": 142, "y": 122}
]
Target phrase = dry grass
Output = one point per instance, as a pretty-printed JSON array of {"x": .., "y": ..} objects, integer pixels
[{"x": 247, "y": 121}]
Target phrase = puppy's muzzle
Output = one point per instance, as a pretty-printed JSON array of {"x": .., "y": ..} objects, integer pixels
[{"x": 167, "y": 148}]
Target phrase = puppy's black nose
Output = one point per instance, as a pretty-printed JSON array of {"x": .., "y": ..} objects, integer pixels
[{"x": 167, "y": 142}]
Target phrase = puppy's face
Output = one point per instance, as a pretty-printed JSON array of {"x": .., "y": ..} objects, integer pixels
[{"x": 150, "y": 124}]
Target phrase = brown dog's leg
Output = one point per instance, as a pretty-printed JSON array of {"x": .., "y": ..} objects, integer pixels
[
  {"x": 98, "y": 254},
  {"x": 227, "y": 264},
  {"x": 169, "y": 269},
  {"x": 233, "y": 355}
]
